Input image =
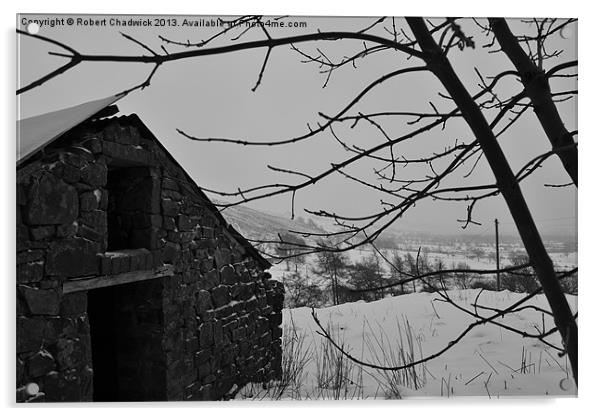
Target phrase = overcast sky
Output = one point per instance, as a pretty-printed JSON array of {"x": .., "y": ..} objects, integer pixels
[{"x": 211, "y": 96}]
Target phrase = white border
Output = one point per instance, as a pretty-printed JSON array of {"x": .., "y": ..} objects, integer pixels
[{"x": 589, "y": 87}]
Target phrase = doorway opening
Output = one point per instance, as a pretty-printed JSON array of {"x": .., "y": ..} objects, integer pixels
[{"x": 125, "y": 330}]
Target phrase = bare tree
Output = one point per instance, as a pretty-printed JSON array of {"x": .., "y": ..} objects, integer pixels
[
  {"x": 331, "y": 264},
  {"x": 425, "y": 47},
  {"x": 536, "y": 81}
]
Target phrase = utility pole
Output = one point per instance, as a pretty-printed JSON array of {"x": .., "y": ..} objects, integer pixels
[{"x": 497, "y": 254}]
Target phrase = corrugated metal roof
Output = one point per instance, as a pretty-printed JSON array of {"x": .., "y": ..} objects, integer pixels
[{"x": 36, "y": 132}]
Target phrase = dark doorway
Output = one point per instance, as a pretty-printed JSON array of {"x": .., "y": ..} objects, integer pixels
[
  {"x": 125, "y": 331},
  {"x": 104, "y": 334}
]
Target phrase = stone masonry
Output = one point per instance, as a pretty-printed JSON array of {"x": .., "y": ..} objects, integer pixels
[{"x": 115, "y": 240}]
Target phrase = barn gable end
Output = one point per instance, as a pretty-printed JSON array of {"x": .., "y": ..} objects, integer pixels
[{"x": 130, "y": 284}]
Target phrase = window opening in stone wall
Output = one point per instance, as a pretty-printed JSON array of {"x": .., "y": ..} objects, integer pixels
[{"x": 132, "y": 193}]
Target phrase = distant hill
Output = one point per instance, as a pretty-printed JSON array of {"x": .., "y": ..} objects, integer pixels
[{"x": 260, "y": 225}]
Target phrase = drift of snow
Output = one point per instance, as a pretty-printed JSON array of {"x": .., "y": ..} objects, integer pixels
[{"x": 488, "y": 361}]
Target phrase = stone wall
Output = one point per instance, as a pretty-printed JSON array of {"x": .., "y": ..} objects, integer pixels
[{"x": 219, "y": 314}]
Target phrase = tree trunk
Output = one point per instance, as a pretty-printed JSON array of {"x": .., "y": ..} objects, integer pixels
[
  {"x": 336, "y": 287},
  {"x": 440, "y": 66},
  {"x": 537, "y": 88}
]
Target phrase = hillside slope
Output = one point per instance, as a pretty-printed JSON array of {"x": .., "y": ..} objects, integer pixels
[{"x": 255, "y": 224}]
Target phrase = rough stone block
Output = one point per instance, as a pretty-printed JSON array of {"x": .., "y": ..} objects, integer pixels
[
  {"x": 170, "y": 252},
  {"x": 227, "y": 357},
  {"x": 42, "y": 233},
  {"x": 228, "y": 275},
  {"x": 211, "y": 279},
  {"x": 68, "y": 353},
  {"x": 94, "y": 145},
  {"x": 203, "y": 301},
  {"x": 22, "y": 236},
  {"x": 76, "y": 157},
  {"x": 230, "y": 326},
  {"x": 242, "y": 292},
  {"x": 203, "y": 370},
  {"x": 171, "y": 184},
  {"x": 39, "y": 301},
  {"x": 206, "y": 334},
  {"x": 30, "y": 334},
  {"x": 95, "y": 175},
  {"x": 174, "y": 236},
  {"x": 20, "y": 372},
  {"x": 70, "y": 174},
  {"x": 224, "y": 312},
  {"x": 218, "y": 333},
  {"x": 220, "y": 295},
  {"x": 96, "y": 219},
  {"x": 167, "y": 193},
  {"x": 72, "y": 258},
  {"x": 40, "y": 364},
  {"x": 203, "y": 356},
  {"x": 28, "y": 256},
  {"x": 206, "y": 243},
  {"x": 208, "y": 232},
  {"x": 51, "y": 201},
  {"x": 186, "y": 237},
  {"x": 148, "y": 261},
  {"x": 169, "y": 223},
  {"x": 120, "y": 264},
  {"x": 66, "y": 230},
  {"x": 137, "y": 261},
  {"x": 106, "y": 265},
  {"x": 222, "y": 257},
  {"x": 184, "y": 223},
  {"x": 170, "y": 208},
  {"x": 74, "y": 304},
  {"x": 21, "y": 194},
  {"x": 90, "y": 234},
  {"x": 245, "y": 276},
  {"x": 62, "y": 387},
  {"x": 30, "y": 272},
  {"x": 88, "y": 201},
  {"x": 263, "y": 325}
]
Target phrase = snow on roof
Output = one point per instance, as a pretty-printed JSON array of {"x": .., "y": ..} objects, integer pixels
[{"x": 34, "y": 133}]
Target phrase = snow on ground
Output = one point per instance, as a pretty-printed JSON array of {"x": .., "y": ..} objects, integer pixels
[{"x": 488, "y": 361}]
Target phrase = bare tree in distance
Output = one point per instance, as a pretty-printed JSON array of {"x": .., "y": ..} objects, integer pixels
[
  {"x": 331, "y": 264},
  {"x": 488, "y": 114}
]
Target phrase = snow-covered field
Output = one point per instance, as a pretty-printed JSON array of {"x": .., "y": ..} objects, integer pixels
[{"x": 488, "y": 361}]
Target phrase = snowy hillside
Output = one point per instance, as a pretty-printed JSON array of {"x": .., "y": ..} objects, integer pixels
[
  {"x": 257, "y": 224},
  {"x": 489, "y": 361}
]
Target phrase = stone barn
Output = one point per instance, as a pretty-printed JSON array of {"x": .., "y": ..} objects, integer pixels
[{"x": 131, "y": 286}]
